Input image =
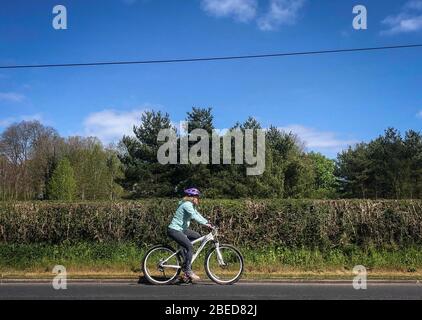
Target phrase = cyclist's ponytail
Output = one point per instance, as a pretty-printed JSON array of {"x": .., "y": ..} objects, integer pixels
[{"x": 190, "y": 199}]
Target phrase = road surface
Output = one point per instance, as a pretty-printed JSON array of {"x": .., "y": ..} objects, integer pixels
[{"x": 88, "y": 290}]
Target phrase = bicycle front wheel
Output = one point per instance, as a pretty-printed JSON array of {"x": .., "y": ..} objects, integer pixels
[
  {"x": 226, "y": 270},
  {"x": 161, "y": 265}
]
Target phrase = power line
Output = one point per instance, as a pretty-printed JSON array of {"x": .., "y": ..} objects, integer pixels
[{"x": 256, "y": 56}]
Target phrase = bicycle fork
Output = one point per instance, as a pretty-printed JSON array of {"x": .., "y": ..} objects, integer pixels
[{"x": 219, "y": 256}]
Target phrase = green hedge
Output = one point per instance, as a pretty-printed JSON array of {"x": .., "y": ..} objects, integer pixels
[{"x": 246, "y": 223}]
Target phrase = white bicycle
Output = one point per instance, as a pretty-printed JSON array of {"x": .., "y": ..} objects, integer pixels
[{"x": 223, "y": 262}]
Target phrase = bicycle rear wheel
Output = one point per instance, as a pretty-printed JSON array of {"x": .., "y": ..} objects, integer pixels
[
  {"x": 229, "y": 272},
  {"x": 156, "y": 272}
]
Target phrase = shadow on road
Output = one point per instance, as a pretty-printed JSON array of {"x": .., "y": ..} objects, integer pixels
[{"x": 142, "y": 280}]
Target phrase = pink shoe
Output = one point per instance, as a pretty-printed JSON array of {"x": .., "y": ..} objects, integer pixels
[{"x": 193, "y": 276}]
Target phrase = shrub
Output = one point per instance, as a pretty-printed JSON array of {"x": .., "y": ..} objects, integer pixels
[{"x": 319, "y": 224}]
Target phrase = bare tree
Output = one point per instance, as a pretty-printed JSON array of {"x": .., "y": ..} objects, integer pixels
[{"x": 20, "y": 144}]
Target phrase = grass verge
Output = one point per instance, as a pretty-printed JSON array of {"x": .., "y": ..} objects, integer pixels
[{"x": 112, "y": 260}]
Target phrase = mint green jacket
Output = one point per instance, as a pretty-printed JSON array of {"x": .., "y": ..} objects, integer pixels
[{"x": 184, "y": 214}]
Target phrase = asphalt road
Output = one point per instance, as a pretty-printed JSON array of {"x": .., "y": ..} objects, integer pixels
[{"x": 241, "y": 291}]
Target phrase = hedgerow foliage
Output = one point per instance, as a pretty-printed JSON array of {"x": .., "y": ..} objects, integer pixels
[{"x": 246, "y": 223}]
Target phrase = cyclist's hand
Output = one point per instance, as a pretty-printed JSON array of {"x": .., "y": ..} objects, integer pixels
[{"x": 209, "y": 225}]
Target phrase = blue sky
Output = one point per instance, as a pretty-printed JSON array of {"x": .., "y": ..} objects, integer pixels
[{"x": 330, "y": 101}]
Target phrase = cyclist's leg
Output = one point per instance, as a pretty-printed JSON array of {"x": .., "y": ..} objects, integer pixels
[
  {"x": 186, "y": 246},
  {"x": 192, "y": 235}
]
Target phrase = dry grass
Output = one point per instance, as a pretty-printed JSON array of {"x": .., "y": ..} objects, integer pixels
[{"x": 258, "y": 276}]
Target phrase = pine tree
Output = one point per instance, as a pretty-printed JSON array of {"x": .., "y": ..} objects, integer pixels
[{"x": 144, "y": 176}]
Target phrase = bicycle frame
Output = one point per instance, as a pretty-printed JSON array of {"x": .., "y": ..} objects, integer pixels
[{"x": 204, "y": 240}]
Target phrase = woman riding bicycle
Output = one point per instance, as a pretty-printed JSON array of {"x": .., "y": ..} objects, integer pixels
[{"x": 179, "y": 232}]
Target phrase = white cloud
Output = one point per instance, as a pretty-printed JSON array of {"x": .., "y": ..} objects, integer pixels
[
  {"x": 110, "y": 125},
  {"x": 5, "y": 122},
  {"x": 240, "y": 10},
  {"x": 414, "y": 4},
  {"x": 32, "y": 117},
  {"x": 11, "y": 97},
  {"x": 402, "y": 23},
  {"x": 323, "y": 141},
  {"x": 408, "y": 20},
  {"x": 419, "y": 114},
  {"x": 10, "y": 120},
  {"x": 281, "y": 12}
]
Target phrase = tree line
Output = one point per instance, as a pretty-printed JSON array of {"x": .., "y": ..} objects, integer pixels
[
  {"x": 36, "y": 163},
  {"x": 388, "y": 167}
]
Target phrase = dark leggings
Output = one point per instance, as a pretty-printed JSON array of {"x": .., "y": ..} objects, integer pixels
[{"x": 184, "y": 240}]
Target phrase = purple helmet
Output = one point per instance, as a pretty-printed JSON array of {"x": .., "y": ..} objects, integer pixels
[{"x": 191, "y": 192}]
